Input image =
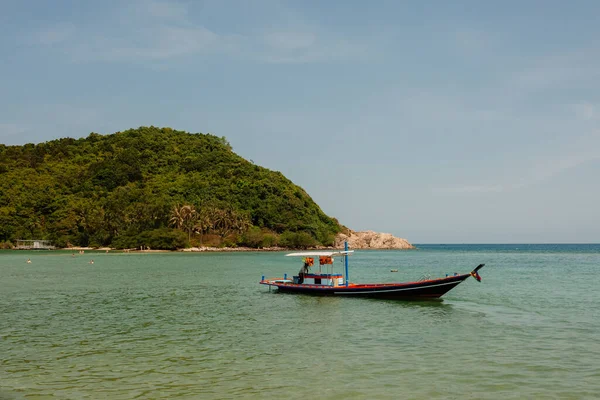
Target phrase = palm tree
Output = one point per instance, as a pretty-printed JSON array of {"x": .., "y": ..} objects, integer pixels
[
  {"x": 204, "y": 221},
  {"x": 228, "y": 220},
  {"x": 184, "y": 217},
  {"x": 189, "y": 219},
  {"x": 176, "y": 217},
  {"x": 241, "y": 223}
]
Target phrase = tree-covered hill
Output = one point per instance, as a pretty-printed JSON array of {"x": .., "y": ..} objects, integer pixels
[{"x": 154, "y": 187}]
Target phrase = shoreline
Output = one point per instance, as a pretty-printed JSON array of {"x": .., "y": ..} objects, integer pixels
[
  {"x": 362, "y": 240},
  {"x": 204, "y": 249},
  {"x": 199, "y": 249}
]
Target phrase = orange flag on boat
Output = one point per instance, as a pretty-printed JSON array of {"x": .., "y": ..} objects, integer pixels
[{"x": 325, "y": 260}]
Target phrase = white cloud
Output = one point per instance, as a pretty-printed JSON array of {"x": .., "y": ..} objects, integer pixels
[
  {"x": 581, "y": 150},
  {"x": 469, "y": 40},
  {"x": 163, "y": 9},
  {"x": 587, "y": 111},
  {"x": 162, "y": 31},
  {"x": 55, "y": 35},
  {"x": 160, "y": 43},
  {"x": 321, "y": 49},
  {"x": 540, "y": 168},
  {"x": 290, "y": 40},
  {"x": 565, "y": 69}
]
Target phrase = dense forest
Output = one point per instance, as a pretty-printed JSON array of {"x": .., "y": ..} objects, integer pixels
[{"x": 153, "y": 187}]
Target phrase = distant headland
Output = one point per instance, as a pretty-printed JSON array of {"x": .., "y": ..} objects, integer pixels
[{"x": 160, "y": 189}]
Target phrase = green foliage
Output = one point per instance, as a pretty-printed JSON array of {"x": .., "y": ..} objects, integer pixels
[
  {"x": 298, "y": 240},
  {"x": 258, "y": 238},
  {"x": 120, "y": 190},
  {"x": 252, "y": 237},
  {"x": 162, "y": 238},
  {"x": 269, "y": 240}
]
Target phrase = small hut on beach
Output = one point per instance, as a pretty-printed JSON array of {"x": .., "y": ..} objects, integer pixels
[{"x": 35, "y": 244}]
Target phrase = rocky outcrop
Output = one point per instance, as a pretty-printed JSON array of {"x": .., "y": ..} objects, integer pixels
[{"x": 371, "y": 240}]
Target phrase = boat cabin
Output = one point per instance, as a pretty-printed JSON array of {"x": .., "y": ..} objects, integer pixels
[{"x": 323, "y": 277}]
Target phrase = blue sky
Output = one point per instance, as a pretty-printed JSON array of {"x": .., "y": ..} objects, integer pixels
[{"x": 439, "y": 122}]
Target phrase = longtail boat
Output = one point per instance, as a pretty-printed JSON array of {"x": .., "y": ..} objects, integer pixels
[{"x": 326, "y": 282}]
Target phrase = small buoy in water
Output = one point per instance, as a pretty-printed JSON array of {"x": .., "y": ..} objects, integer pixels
[{"x": 393, "y": 270}]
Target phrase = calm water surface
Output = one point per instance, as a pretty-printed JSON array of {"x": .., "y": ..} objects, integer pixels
[{"x": 198, "y": 326}]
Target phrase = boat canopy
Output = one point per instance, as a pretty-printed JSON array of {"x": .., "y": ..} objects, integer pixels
[{"x": 321, "y": 253}]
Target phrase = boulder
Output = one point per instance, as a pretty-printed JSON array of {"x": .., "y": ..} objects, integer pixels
[{"x": 371, "y": 240}]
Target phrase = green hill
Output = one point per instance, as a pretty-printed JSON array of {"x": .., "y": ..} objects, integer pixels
[{"x": 154, "y": 187}]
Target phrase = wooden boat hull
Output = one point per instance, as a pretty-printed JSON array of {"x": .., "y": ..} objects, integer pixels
[{"x": 422, "y": 290}]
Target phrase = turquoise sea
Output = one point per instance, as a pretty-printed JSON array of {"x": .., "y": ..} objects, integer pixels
[{"x": 198, "y": 326}]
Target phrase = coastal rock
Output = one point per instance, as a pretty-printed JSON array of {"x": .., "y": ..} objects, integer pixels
[{"x": 371, "y": 240}]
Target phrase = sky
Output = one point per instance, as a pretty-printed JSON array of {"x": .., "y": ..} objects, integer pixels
[{"x": 436, "y": 121}]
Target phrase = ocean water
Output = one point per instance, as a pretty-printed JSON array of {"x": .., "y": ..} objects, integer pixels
[{"x": 198, "y": 326}]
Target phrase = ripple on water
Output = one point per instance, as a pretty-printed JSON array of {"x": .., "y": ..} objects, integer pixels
[{"x": 197, "y": 326}]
